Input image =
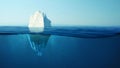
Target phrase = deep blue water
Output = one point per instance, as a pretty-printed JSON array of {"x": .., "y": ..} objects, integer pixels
[{"x": 60, "y": 52}]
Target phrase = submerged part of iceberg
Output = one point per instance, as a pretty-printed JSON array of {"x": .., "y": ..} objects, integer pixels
[
  {"x": 38, "y": 42},
  {"x": 37, "y": 24}
]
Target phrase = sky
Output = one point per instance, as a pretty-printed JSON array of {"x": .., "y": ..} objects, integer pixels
[{"x": 62, "y": 12}]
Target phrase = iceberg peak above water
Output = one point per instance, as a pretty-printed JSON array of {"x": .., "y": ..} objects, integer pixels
[{"x": 38, "y": 21}]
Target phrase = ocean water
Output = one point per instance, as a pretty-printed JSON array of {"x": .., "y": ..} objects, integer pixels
[{"x": 60, "y": 48}]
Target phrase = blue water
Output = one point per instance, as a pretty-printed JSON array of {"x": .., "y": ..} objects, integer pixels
[{"x": 59, "y": 51}]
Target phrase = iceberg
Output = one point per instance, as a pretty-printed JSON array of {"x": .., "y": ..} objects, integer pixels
[{"x": 37, "y": 23}]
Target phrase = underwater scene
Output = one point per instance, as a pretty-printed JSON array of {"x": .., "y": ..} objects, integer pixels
[{"x": 60, "y": 48}]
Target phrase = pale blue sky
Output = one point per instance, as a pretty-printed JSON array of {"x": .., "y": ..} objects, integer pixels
[{"x": 62, "y": 12}]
